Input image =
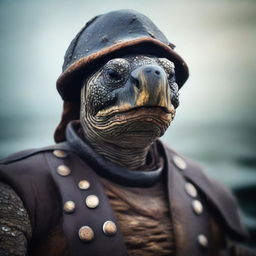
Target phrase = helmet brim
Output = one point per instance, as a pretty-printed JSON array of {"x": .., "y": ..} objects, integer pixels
[{"x": 70, "y": 82}]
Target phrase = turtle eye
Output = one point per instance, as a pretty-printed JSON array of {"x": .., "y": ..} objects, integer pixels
[
  {"x": 116, "y": 72},
  {"x": 113, "y": 74},
  {"x": 171, "y": 74},
  {"x": 168, "y": 67}
]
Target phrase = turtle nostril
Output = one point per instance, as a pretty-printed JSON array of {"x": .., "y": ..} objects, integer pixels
[{"x": 154, "y": 71}]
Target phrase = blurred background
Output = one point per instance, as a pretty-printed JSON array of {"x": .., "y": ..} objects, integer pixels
[{"x": 215, "y": 123}]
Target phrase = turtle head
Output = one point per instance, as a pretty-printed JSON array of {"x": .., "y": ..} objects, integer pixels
[
  {"x": 128, "y": 92},
  {"x": 129, "y": 101}
]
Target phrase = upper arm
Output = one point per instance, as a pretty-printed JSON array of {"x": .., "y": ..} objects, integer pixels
[{"x": 15, "y": 227}]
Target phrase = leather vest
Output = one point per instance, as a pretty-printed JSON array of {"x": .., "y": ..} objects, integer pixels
[{"x": 36, "y": 177}]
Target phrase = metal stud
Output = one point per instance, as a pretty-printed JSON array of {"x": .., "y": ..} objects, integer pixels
[
  {"x": 190, "y": 189},
  {"x": 69, "y": 207},
  {"x": 197, "y": 207},
  {"x": 13, "y": 234},
  {"x": 63, "y": 170},
  {"x": 6, "y": 229},
  {"x": 179, "y": 162},
  {"x": 86, "y": 234},
  {"x": 202, "y": 240},
  {"x": 84, "y": 184},
  {"x": 60, "y": 153},
  {"x": 109, "y": 228},
  {"x": 92, "y": 201}
]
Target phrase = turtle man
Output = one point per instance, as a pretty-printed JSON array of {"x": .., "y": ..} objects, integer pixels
[{"x": 109, "y": 186}]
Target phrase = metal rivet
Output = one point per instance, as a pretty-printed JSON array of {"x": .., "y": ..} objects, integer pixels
[
  {"x": 202, "y": 240},
  {"x": 190, "y": 189},
  {"x": 86, "y": 234},
  {"x": 84, "y": 184},
  {"x": 63, "y": 170},
  {"x": 179, "y": 162},
  {"x": 69, "y": 207},
  {"x": 6, "y": 229},
  {"x": 60, "y": 153},
  {"x": 197, "y": 207},
  {"x": 92, "y": 201},
  {"x": 109, "y": 228}
]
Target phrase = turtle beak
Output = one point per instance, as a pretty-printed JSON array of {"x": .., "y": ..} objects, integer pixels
[
  {"x": 147, "y": 87},
  {"x": 151, "y": 88}
]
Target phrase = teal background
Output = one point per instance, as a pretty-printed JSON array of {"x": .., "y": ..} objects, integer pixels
[{"x": 215, "y": 123}]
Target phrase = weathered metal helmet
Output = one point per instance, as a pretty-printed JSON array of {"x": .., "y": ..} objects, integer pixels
[{"x": 104, "y": 37}]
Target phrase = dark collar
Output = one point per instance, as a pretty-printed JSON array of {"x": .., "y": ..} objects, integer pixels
[{"x": 109, "y": 170}]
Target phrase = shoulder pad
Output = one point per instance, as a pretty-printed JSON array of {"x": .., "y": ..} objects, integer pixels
[{"x": 30, "y": 152}]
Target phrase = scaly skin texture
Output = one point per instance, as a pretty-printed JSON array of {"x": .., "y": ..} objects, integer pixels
[
  {"x": 15, "y": 228},
  {"x": 123, "y": 111}
]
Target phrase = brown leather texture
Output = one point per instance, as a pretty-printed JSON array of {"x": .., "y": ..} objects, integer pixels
[{"x": 84, "y": 216}]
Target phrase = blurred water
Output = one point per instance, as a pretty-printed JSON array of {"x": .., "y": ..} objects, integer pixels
[{"x": 215, "y": 123}]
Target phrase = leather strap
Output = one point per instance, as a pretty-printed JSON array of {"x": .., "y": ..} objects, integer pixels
[
  {"x": 221, "y": 199},
  {"x": 84, "y": 216},
  {"x": 187, "y": 225}
]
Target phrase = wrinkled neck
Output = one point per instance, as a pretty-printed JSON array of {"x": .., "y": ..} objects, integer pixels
[{"x": 132, "y": 158}]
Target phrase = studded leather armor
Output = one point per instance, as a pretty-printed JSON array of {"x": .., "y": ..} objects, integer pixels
[{"x": 72, "y": 198}]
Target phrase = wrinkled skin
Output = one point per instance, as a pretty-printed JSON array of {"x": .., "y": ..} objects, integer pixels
[
  {"x": 15, "y": 228},
  {"x": 128, "y": 104}
]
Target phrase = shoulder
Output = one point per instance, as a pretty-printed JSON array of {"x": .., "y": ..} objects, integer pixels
[
  {"x": 27, "y": 154},
  {"x": 29, "y": 169},
  {"x": 28, "y": 166},
  {"x": 28, "y": 173},
  {"x": 32, "y": 164},
  {"x": 218, "y": 196}
]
